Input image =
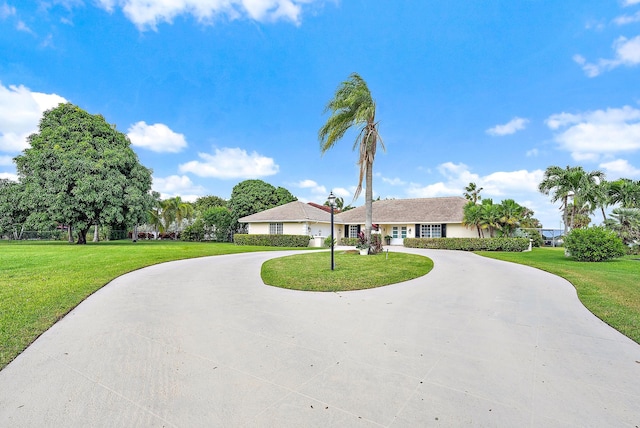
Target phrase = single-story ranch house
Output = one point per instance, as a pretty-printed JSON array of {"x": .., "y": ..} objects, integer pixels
[{"x": 398, "y": 218}]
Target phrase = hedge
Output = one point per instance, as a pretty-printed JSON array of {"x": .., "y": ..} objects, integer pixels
[
  {"x": 349, "y": 242},
  {"x": 272, "y": 240},
  {"x": 469, "y": 244}
]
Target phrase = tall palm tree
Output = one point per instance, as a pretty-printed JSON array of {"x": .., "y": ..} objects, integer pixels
[
  {"x": 472, "y": 193},
  {"x": 353, "y": 106},
  {"x": 570, "y": 183}
]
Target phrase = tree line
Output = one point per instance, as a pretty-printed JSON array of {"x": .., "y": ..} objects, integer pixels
[
  {"x": 581, "y": 193},
  {"x": 212, "y": 217},
  {"x": 80, "y": 172}
]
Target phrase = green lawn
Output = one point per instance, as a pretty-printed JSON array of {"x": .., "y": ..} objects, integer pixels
[
  {"x": 312, "y": 272},
  {"x": 611, "y": 290},
  {"x": 42, "y": 281}
]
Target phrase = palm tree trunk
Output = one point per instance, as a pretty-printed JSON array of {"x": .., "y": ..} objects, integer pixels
[
  {"x": 564, "y": 215},
  {"x": 368, "y": 197}
]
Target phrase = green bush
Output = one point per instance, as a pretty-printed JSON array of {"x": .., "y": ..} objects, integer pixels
[
  {"x": 469, "y": 244},
  {"x": 194, "y": 232},
  {"x": 349, "y": 242},
  {"x": 272, "y": 240},
  {"x": 327, "y": 241},
  {"x": 594, "y": 244}
]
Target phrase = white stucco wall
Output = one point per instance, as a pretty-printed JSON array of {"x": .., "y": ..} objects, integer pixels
[
  {"x": 306, "y": 228},
  {"x": 460, "y": 231}
]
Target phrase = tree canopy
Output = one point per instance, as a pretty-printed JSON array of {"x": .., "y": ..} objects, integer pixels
[
  {"x": 252, "y": 196},
  {"x": 80, "y": 171}
]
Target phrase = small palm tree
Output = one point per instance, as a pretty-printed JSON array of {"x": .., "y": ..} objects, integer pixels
[
  {"x": 490, "y": 216},
  {"x": 353, "y": 106},
  {"x": 510, "y": 215},
  {"x": 473, "y": 217}
]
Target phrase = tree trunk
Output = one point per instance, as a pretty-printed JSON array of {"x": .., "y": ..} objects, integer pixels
[
  {"x": 564, "y": 215},
  {"x": 368, "y": 199},
  {"x": 70, "y": 230},
  {"x": 96, "y": 233},
  {"x": 82, "y": 236}
]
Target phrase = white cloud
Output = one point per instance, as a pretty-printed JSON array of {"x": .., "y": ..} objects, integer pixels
[
  {"x": 157, "y": 138},
  {"x": 458, "y": 176},
  {"x": 594, "y": 133},
  {"x": 316, "y": 189},
  {"x": 393, "y": 181},
  {"x": 627, "y": 52},
  {"x": 8, "y": 176},
  {"x": 228, "y": 163},
  {"x": 6, "y": 11},
  {"x": 341, "y": 192},
  {"x": 619, "y": 168},
  {"x": 20, "y": 113},
  {"x": 147, "y": 14},
  {"x": 627, "y": 19},
  {"x": 514, "y": 125},
  {"x": 177, "y": 185},
  {"x": 532, "y": 153},
  {"x": 626, "y": 3},
  {"x": 21, "y": 26}
]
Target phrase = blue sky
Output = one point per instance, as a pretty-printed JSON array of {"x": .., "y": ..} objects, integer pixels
[{"x": 213, "y": 92}]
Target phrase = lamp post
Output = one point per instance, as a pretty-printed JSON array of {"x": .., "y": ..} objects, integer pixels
[{"x": 332, "y": 201}]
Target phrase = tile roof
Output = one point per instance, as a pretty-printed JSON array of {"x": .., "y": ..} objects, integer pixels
[
  {"x": 295, "y": 211},
  {"x": 419, "y": 210}
]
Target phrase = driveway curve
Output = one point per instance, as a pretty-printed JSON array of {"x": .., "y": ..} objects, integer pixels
[{"x": 204, "y": 343}]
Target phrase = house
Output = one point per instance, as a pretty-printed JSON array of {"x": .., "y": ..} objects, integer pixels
[
  {"x": 411, "y": 218},
  {"x": 294, "y": 218},
  {"x": 398, "y": 218}
]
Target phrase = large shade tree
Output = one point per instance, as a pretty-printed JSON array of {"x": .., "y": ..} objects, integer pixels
[
  {"x": 80, "y": 171},
  {"x": 252, "y": 196},
  {"x": 352, "y": 106}
]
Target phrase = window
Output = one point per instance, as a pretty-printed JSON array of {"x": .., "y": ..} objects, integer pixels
[
  {"x": 275, "y": 228},
  {"x": 431, "y": 231},
  {"x": 394, "y": 231},
  {"x": 353, "y": 231},
  {"x": 403, "y": 232}
]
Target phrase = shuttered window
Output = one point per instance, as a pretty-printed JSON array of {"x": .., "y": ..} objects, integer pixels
[{"x": 431, "y": 231}]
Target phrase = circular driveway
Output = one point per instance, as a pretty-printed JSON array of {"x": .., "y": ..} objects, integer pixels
[{"x": 204, "y": 343}]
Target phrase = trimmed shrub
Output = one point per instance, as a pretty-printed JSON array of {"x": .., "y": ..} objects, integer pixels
[
  {"x": 469, "y": 244},
  {"x": 594, "y": 244},
  {"x": 272, "y": 240},
  {"x": 349, "y": 242}
]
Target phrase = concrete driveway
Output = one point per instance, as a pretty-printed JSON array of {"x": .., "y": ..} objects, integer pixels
[{"x": 204, "y": 343}]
